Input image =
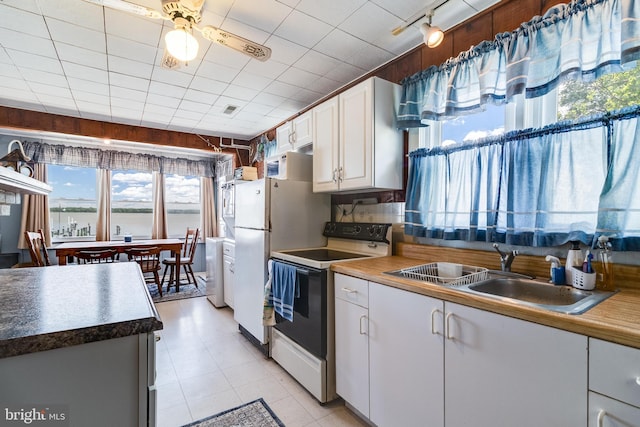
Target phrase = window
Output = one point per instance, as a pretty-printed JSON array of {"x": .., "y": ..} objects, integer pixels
[
  {"x": 608, "y": 93},
  {"x": 131, "y": 204},
  {"x": 72, "y": 202},
  {"x": 182, "y": 196}
]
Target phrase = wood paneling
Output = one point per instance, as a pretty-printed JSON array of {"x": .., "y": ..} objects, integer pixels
[
  {"x": 508, "y": 16},
  {"x": 472, "y": 32},
  {"x": 13, "y": 118},
  {"x": 438, "y": 55}
]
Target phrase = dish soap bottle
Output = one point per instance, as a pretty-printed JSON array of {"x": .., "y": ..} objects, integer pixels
[{"x": 574, "y": 259}]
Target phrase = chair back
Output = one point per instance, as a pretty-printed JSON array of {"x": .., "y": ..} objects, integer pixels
[
  {"x": 96, "y": 256},
  {"x": 37, "y": 248},
  {"x": 147, "y": 258},
  {"x": 190, "y": 243}
]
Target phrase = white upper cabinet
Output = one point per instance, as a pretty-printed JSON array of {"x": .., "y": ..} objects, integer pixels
[
  {"x": 356, "y": 145},
  {"x": 295, "y": 133}
]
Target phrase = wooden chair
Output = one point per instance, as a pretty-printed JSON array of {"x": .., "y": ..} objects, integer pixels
[
  {"x": 96, "y": 256},
  {"x": 149, "y": 261},
  {"x": 37, "y": 248},
  {"x": 186, "y": 259}
]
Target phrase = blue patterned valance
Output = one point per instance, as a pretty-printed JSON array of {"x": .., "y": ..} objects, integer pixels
[{"x": 579, "y": 40}]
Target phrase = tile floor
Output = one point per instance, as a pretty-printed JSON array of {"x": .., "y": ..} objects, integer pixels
[{"x": 205, "y": 366}]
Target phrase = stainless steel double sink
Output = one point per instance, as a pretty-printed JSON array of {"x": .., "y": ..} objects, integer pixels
[{"x": 527, "y": 292}]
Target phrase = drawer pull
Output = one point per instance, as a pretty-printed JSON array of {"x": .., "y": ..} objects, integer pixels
[
  {"x": 601, "y": 416},
  {"x": 349, "y": 290}
]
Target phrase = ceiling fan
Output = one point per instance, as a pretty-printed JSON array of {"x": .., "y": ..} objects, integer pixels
[{"x": 180, "y": 43}]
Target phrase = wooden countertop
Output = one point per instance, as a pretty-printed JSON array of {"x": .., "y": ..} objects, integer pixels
[
  {"x": 617, "y": 319},
  {"x": 43, "y": 308}
]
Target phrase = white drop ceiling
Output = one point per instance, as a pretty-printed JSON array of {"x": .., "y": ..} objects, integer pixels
[{"x": 73, "y": 58}]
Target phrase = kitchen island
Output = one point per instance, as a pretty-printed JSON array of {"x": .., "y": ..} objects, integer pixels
[{"x": 77, "y": 344}]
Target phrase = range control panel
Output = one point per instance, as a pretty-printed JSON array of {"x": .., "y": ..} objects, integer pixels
[{"x": 369, "y": 231}]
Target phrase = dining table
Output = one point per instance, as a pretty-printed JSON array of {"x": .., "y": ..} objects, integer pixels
[{"x": 67, "y": 249}]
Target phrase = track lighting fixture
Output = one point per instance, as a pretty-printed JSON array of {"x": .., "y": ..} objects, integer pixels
[{"x": 433, "y": 35}]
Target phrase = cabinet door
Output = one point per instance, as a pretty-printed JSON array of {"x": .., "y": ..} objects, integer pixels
[
  {"x": 356, "y": 144},
  {"x": 283, "y": 137},
  {"x": 302, "y": 130},
  {"x": 325, "y": 146},
  {"x": 352, "y": 352},
  {"x": 227, "y": 280},
  {"x": 501, "y": 371},
  {"x": 406, "y": 356}
]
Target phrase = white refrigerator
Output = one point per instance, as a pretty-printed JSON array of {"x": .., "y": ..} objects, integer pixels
[{"x": 271, "y": 215}]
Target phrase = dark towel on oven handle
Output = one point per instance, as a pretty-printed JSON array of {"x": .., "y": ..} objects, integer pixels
[{"x": 284, "y": 288}]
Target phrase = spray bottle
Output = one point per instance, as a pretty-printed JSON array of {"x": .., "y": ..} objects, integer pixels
[{"x": 574, "y": 259}]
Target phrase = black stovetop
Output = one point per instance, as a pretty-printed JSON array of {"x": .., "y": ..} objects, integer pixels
[{"x": 323, "y": 254}]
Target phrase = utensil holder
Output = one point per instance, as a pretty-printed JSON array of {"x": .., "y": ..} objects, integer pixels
[{"x": 582, "y": 280}]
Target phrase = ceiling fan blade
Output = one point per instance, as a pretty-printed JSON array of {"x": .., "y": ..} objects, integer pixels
[
  {"x": 225, "y": 38},
  {"x": 126, "y": 6}
]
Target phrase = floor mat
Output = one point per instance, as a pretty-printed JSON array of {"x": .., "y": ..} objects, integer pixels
[{"x": 252, "y": 414}]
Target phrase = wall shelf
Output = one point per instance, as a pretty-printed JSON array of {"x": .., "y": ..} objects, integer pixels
[{"x": 13, "y": 181}]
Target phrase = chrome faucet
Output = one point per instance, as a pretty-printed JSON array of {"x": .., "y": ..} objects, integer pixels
[{"x": 505, "y": 258}]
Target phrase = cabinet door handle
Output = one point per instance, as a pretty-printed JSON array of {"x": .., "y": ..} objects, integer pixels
[
  {"x": 433, "y": 323},
  {"x": 292, "y": 137},
  {"x": 349, "y": 290},
  {"x": 601, "y": 414},
  {"x": 363, "y": 317},
  {"x": 334, "y": 175},
  {"x": 340, "y": 174},
  {"x": 448, "y": 326},
  {"x": 638, "y": 380}
]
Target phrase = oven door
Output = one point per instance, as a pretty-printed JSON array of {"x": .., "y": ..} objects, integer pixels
[{"x": 309, "y": 326}]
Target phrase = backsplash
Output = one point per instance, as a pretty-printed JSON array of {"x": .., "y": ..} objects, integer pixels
[{"x": 7, "y": 198}]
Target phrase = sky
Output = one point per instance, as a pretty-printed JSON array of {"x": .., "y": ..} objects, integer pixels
[
  {"x": 474, "y": 126},
  {"x": 80, "y": 183}
]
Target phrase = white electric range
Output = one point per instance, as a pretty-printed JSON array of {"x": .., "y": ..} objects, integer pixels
[{"x": 305, "y": 347}]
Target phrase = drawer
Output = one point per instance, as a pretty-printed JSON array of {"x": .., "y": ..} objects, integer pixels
[
  {"x": 614, "y": 370},
  {"x": 607, "y": 412},
  {"x": 229, "y": 249},
  {"x": 352, "y": 289}
]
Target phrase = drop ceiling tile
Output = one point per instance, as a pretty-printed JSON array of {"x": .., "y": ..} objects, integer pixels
[
  {"x": 370, "y": 23},
  {"x": 129, "y": 82},
  {"x": 223, "y": 101},
  {"x": 197, "y": 107},
  {"x": 23, "y": 21},
  {"x": 281, "y": 89},
  {"x": 88, "y": 86},
  {"x": 243, "y": 30},
  {"x": 21, "y": 99},
  {"x": 269, "y": 99},
  {"x": 131, "y": 49},
  {"x": 451, "y": 13},
  {"x": 156, "y": 117},
  {"x": 217, "y": 7},
  {"x": 55, "y": 100},
  {"x": 254, "y": 107},
  {"x": 251, "y": 81},
  {"x": 129, "y": 67},
  {"x": 242, "y": 93},
  {"x": 17, "y": 84},
  {"x": 118, "y": 102},
  {"x": 186, "y": 124},
  {"x": 46, "y": 89},
  {"x": 324, "y": 85},
  {"x": 405, "y": 10},
  {"x": 85, "y": 73},
  {"x": 133, "y": 27},
  {"x": 218, "y": 72},
  {"x": 76, "y": 12},
  {"x": 368, "y": 57},
  {"x": 94, "y": 108},
  {"x": 29, "y": 60},
  {"x": 126, "y": 115},
  {"x": 345, "y": 73},
  {"x": 166, "y": 89},
  {"x": 198, "y": 96},
  {"x": 297, "y": 77},
  {"x": 265, "y": 15},
  {"x": 76, "y": 36},
  {"x": 317, "y": 63},
  {"x": 333, "y": 11},
  {"x": 4, "y": 57},
  {"x": 303, "y": 29},
  {"x": 172, "y": 77},
  {"x": 131, "y": 94},
  {"x": 27, "y": 5},
  {"x": 27, "y": 43},
  {"x": 43, "y": 77},
  {"x": 162, "y": 100},
  {"x": 208, "y": 85},
  {"x": 159, "y": 110},
  {"x": 92, "y": 98},
  {"x": 78, "y": 55},
  {"x": 9, "y": 70},
  {"x": 479, "y": 5},
  {"x": 270, "y": 69},
  {"x": 340, "y": 45},
  {"x": 305, "y": 96},
  {"x": 219, "y": 54},
  {"x": 70, "y": 110},
  {"x": 94, "y": 116}
]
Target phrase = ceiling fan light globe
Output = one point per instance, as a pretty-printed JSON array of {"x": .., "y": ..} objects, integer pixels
[
  {"x": 433, "y": 36},
  {"x": 181, "y": 44}
]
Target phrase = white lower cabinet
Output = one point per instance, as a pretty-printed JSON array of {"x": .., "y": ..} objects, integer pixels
[
  {"x": 407, "y": 359},
  {"x": 501, "y": 371},
  {"x": 614, "y": 384},
  {"x": 352, "y": 342}
]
